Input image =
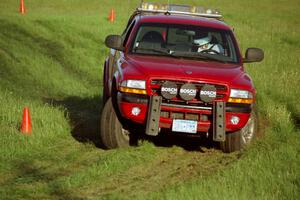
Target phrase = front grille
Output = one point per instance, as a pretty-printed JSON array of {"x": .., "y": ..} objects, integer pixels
[{"x": 181, "y": 115}]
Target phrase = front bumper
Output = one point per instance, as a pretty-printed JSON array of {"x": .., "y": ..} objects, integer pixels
[{"x": 203, "y": 115}]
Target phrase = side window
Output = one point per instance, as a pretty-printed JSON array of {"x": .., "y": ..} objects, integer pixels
[
  {"x": 127, "y": 32},
  {"x": 231, "y": 51}
]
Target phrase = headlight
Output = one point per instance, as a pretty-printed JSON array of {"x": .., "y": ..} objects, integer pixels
[
  {"x": 240, "y": 96},
  {"x": 133, "y": 86},
  {"x": 244, "y": 94},
  {"x": 137, "y": 84}
]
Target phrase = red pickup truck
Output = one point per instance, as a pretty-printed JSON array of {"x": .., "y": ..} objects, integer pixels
[{"x": 178, "y": 69}]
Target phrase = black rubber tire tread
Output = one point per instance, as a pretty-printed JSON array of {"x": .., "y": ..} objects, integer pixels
[
  {"x": 104, "y": 97},
  {"x": 105, "y": 129},
  {"x": 234, "y": 140},
  {"x": 111, "y": 128},
  {"x": 105, "y": 85},
  {"x": 232, "y": 143}
]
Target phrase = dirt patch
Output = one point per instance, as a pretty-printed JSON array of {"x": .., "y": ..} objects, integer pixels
[{"x": 173, "y": 166}]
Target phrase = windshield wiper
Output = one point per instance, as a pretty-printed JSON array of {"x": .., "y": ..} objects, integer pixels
[
  {"x": 160, "y": 51},
  {"x": 184, "y": 54},
  {"x": 201, "y": 56}
]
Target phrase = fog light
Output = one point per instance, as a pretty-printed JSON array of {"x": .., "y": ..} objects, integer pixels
[
  {"x": 151, "y": 7},
  {"x": 135, "y": 111},
  {"x": 208, "y": 11},
  {"x": 234, "y": 120}
]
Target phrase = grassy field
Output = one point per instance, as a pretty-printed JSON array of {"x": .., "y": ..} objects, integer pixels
[{"x": 51, "y": 61}]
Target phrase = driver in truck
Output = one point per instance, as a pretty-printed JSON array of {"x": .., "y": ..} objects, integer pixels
[{"x": 208, "y": 44}]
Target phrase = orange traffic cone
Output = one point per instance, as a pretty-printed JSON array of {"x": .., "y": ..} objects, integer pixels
[
  {"x": 22, "y": 7},
  {"x": 26, "y": 122},
  {"x": 112, "y": 15}
]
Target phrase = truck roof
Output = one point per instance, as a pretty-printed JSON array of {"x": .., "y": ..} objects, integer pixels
[{"x": 181, "y": 19}]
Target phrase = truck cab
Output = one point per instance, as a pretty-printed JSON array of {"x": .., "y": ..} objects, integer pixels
[{"x": 178, "y": 68}]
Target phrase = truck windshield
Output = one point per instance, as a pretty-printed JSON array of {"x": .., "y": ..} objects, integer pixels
[{"x": 192, "y": 42}]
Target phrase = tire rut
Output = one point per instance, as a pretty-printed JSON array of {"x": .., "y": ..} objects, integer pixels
[{"x": 172, "y": 166}]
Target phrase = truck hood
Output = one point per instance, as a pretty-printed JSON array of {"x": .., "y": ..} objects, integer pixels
[{"x": 182, "y": 69}]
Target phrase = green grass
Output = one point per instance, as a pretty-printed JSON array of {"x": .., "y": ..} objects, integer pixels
[{"x": 51, "y": 60}]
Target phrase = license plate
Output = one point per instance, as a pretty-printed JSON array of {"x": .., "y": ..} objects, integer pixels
[{"x": 185, "y": 126}]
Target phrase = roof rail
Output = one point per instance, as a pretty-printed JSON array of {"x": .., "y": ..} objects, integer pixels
[{"x": 179, "y": 10}]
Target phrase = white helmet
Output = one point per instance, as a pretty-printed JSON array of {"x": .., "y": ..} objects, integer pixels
[{"x": 203, "y": 41}]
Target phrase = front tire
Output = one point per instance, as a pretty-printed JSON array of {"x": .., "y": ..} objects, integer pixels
[
  {"x": 112, "y": 133},
  {"x": 238, "y": 140}
]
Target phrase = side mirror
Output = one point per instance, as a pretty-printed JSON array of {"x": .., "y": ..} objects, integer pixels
[
  {"x": 253, "y": 55},
  {"x": 114, "y": 42}
]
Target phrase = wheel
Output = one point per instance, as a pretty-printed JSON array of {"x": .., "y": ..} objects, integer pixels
[
  {"x": 238, "y": 140},
  {"x": 112, "y": 133},
  {"x": 104, "y": 97},
  {"x": 104, "y": 89}
]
